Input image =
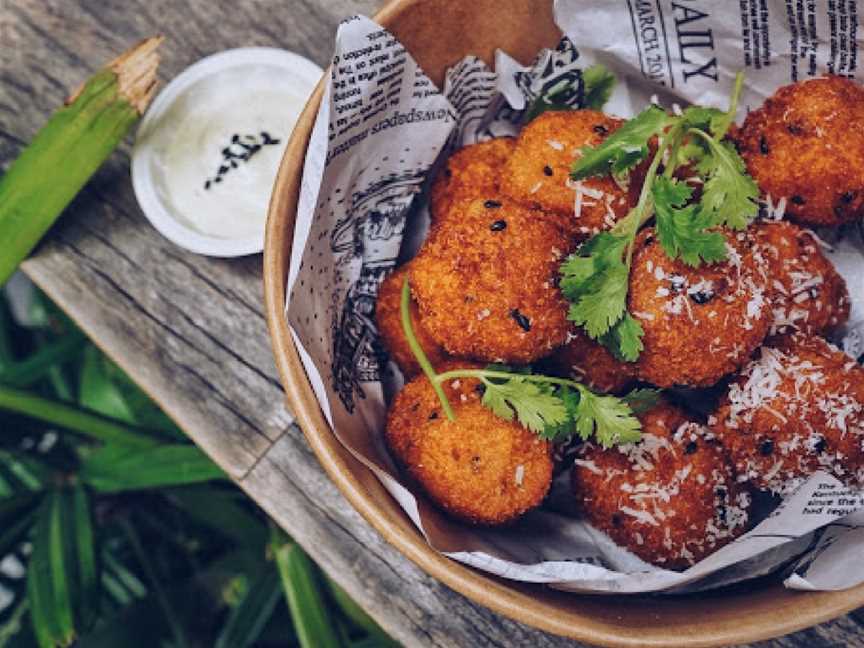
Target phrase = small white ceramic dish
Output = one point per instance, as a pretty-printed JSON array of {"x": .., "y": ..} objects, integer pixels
[{"x": 207, "y": 150}]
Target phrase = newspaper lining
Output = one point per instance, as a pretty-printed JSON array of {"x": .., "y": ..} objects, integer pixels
[{"x": 381, "y": 130}]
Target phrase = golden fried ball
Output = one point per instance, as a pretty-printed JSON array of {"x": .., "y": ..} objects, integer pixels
[
  {"x": 807, "y": 293},
  {"x": 589, "y": 362},
  {"x": 478, "y": 467},
  {"x": 388, "y": 316},
  {"x": 805, "y": 145},
  {"x": 701, "y": 323},
  {"x": 471, "y": 172},
  {"x": 538, "y": 171},
  {"x": 671, "y": 498},
  {"x": 795, "y": 409},
  {"x": 486, "y": 284},
  {"x": 417, "y": 402}
]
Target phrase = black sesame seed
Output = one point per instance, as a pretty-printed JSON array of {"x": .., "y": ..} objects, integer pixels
[
  {"x": 547, "y": 170},
  {"x": 821, "y": 445},
  {"x": 207, "y": 184},
  {"x": 766, "y": 448},
  {"x": 797, "y": 200},
  {"x": 676, "y": 283},
  {"x": 491, "y": 204},
  {"x": 217, "y": 178},
  {"x": 702, "y": 296},
  {"x": 498, "y": 225},
  {"x": 763, "y": 145},
  {"x": 433, "y": 416},
  {"x": 794, "y": 129},
  {"x": 523, "y": 322},
  {"x": 600, "y": 129},
  {"x": 690, "y": 448},
  {"x": 235, "y": 138},
  {"x": 848, "y": 197},
  {"x": 617, "y": 519}
]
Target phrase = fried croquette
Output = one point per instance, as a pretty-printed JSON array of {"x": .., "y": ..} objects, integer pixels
[
  {"x": 807, "y": 293},
  {"x": 699, "y": 324},
  {"x": 671, "y": 498},
  {"x": 795, "y": 409},
  {"x": 417, "y": 402},
  {"x": 388, "y": 316},
  {"x": 589, "y": 362},
  {"x": 486, "y": 284},
  {"x": 470, "y": 173},
  {"x": 804, "y": 147},
  {"x": 478, "y": 467},
  {"x": 538, "y": 171}
]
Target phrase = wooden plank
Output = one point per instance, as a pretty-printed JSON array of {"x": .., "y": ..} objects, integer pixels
[{"x": 190, "y": 330}]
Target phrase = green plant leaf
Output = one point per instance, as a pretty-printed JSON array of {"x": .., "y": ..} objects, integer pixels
[
  {"x": 22, "y": 472},
  {"x": 105, "y": 388},
  {"x": 97, "y": 392},
  {"x": 312, "y": 622},
  {"x": 17, "y": 515},
  {"x": 117, "y": 468},
  {"x": 83, "y": 556},
  {"x": 47, "y": 578},
  {"x": 248, "y": 618},
  {"x": 223, "y": 511},
  {"x": 27, "y": 372},
  {"x": 72, "y": 418}
]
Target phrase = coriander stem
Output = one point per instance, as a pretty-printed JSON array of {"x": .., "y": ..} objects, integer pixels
[
  {"x": 417, "y": 350},
  {"x": 483, "y": 374}
]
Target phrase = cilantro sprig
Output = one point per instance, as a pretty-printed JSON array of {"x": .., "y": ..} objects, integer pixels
[
  {"x": 595, "y": 279},
  {"x": 554, "y": 408}
]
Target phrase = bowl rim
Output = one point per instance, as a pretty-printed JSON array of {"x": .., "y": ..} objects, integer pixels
[{"x": 517, "y": 601}]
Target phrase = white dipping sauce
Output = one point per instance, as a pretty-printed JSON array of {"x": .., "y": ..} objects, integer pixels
[
  {"x": 256, "y": 104},
  {"x": 208, "y": 149}
]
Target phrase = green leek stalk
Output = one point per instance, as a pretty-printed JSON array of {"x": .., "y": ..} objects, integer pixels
[{"x": 69, "y": 149}]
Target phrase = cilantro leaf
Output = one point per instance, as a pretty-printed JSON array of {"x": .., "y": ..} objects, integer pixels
[
  {"x": 598, "y": 83},
  {"x": 624, "y": 339},
  {"x": 683, "y": 229},
  {"x": 642, "y": 400},
  {"x": 598, "y": 310},
  {"x": 624, "y": 148},
  {"x": 608, "y": 418},
  {"x": 534, "y": 406},
  {"x": 591, "y": 259},
  {"x": 729, "y": 194},
  {"x": 557, "y": 432}
]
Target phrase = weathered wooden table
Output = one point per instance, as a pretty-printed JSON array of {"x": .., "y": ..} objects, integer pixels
[{"x": 191, "y": 331}]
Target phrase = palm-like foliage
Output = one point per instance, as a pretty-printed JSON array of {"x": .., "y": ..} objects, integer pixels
[{"x": 116, "y": 531}]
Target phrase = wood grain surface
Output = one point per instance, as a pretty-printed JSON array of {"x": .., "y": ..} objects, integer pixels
[{"x": 191, "y": 331}]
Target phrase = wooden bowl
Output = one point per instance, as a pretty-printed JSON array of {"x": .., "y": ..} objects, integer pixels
[{"x": 438, "y": 33}]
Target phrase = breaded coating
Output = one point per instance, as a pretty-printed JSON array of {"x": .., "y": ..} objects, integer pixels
[
  {"x": 479, "y": 467},
  {"x": 486, "y": 284},
  {"x": 471, "y": 172},
  {"x": 807, "y": 293},
  {"x": 671, "y": 499},
  {"x": 805, "y": 146},
  {"x": 388, "y": 316},
  {"x": 538, "y": 171},
  {"x": 417, "y": 402},
  {"x": 795, "y": 409},
  {"x": 701, "y": 323},
  {"x": 589, "y": 362}
]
